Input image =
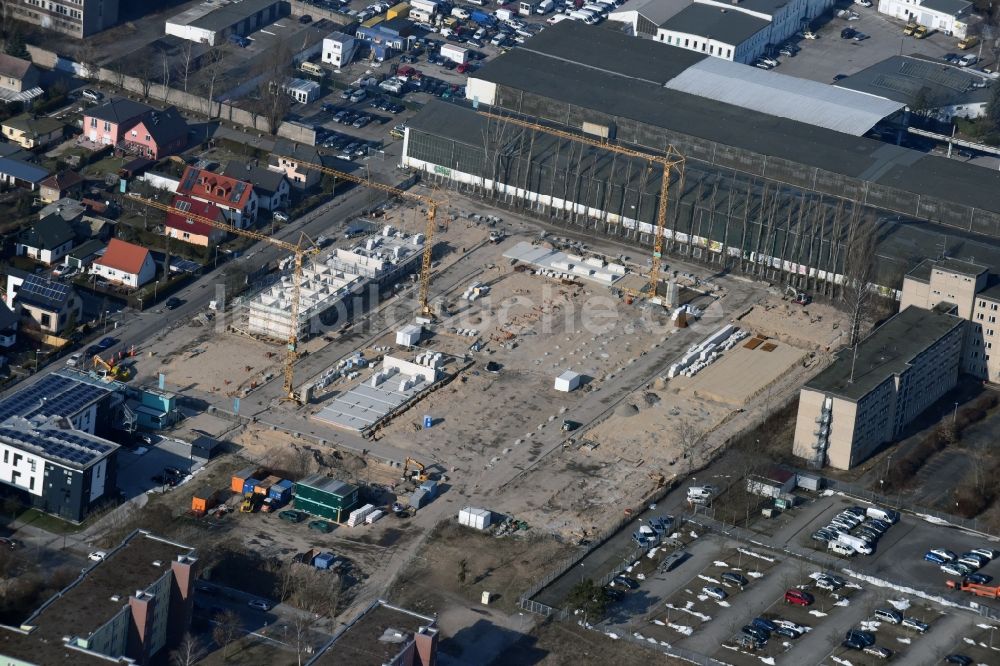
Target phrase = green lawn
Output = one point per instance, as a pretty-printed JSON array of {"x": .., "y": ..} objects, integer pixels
[
  {"x": 104, "y": 166},
  {"x": 36, "y": 518}
]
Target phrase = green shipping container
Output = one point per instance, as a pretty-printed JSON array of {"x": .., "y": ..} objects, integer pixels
[{"x": 323, "y": 496}]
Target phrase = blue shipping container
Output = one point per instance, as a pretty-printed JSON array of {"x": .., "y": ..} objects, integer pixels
[
  {"x": 418, "y": 499},
  {"x": 281, "y": 491},
  {"x": 429, "y": 487},
  {"x": 324, "y": 560},
  {"x": 249, "y": 485}
]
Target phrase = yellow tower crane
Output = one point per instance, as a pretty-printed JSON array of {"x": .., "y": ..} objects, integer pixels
[
  {"x": 671, "y": 161},
  {"x": 298, "y": 250},
  {"x": 431, "y": 204}
]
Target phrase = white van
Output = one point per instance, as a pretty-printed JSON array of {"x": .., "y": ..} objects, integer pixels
[
  {"x": 888, "y": 515},
  {"x": 460, "y": 12},
  {"x": 578, "y": 15},
  {"x": 839, "y": 548},
  {"x": 597, "y": 10},
  {"x": 545, "y": 6}
]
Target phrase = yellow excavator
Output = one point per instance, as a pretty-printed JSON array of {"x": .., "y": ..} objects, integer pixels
[
  {"x": 247, "y": 505},
  {"x": 112, "y": 370},
  {"x": 418, "y": 474}
]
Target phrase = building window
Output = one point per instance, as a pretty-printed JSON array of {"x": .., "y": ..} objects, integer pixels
[
  {"x": 93, "y": 122},
  {"x": 107, "y": 126}
]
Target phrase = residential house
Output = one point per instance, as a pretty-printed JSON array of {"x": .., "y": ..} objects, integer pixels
[
  {"x": 30, "y": 132},
  {"x": 292, "y": 159},
  {"x": 47, "y": 241},
  {"x": 59, "y": 186},
  {"x": 46, "y": 304},
  {"x": 157, "y": 134},
  {"x": 19, "y": 172},
  {"x": 9, "y": 320},
  {"x": 234, "y": 197},
  {"x": 69, "y": 209},
  {"x": 271, "y": 186},
  {"x": 107, "y": 124},
  {"x": 125, "y": 264},
  {"x": 195, "y": 232},
  {"x": 18, "y": 79},
  {"x": 84, "y": 254}
]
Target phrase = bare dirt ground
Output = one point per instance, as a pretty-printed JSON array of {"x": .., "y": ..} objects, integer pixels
[
  {"x": 815, "y": 326},
  {"x": 742, "y": 373}
]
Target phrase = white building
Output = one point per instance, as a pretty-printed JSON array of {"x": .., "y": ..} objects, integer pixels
[
  {"x": 214, "y": 23},
  {"x": 302, "y": 91},
  {"x": 948, "y": 16},
  {"x": 339, "y": 49}
]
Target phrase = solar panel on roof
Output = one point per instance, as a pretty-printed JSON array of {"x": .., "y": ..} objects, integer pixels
[{"x": 43, "y": 288}]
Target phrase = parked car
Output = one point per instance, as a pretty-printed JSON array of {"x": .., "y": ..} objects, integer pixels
[
  {"x": 173, "y": 302},
  {"x": 877, "y": 650},
  {"x": 74, "y": 360},
  {"x": 979, "y": 579},
  {"x": 915, "y": 624},
  {"x": 888, "y": 615},
  {"x": 92, "y": 95},
  {"x": 321, "y": 526},
  {"x": 280, "y": 216},
  {"x": 765, "y": 624},
  {"x": 940, "y": 556},
  {"x": 107, "y": 343},
  {"x": 291, "y": 516},
  {"x": 956, "y": 569},
  {"x": 959, "y": 659},
  {"x": 735, "y": 578},
  {"x": 988, "y": 553},
  {"x": 260, "y": 604},
  {"x": 865, "y": 638},
  {"x": 848, "y": 33},
  {"x": 787, "y": 632},
  {"x": 715, "y": 592},
  {"x": 756, "y": 632},
  {"x": 798, "y": 597},
  {"x": 8, "y": 542},
  {"x": 625, "y": 581},
  {"x": 97, "y": 556},
  {"x": 859, "y": 37},
  {"x": 788, "y": 624}
]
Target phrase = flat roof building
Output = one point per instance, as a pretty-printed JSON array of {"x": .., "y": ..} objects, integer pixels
[
  {"x": 872, "y": 391},
  {"x": 212, "y": 24},
  {"x": 382, "y": 634},
  {"x": 135, "y": 604},
  {"x": 81, "y": 18}
]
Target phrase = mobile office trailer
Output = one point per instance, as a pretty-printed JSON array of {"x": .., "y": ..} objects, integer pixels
[{"x": 526, "y": 7}]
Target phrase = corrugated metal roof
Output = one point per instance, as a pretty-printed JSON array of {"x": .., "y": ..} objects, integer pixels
[{"x": 784, "y": 96}]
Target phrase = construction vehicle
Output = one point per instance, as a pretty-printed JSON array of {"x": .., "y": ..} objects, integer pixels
[
  {"x": 299, "y": 251},
  {"x": 988, "y": 591},
  {"x": 111, "y": 370},
  {"x": 247, "y": 505},
  {"x": 431, "y": 227},
  {"x": 798, "y": 297},
  {"x": 670, "y": 162},
  {"x": 418, "y": 474}
]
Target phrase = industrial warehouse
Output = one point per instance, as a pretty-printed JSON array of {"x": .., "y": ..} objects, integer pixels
[{"x": 767, "y": 194}]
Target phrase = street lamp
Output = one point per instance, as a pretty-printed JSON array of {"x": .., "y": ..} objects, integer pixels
[{"x": 954, "y": 416}]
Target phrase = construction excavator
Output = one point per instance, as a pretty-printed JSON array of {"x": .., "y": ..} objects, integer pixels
[
  {"x": 418, "y": 474},
  {"x": 111, "y": 370}
]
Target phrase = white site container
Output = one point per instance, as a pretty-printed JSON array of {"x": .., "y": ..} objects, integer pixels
[
  {"x": 409, "y": 335},
  {"x": 568, "y": 381},
  {"x": 373, "y": 516},
  {"x": 476, "y": 518}
]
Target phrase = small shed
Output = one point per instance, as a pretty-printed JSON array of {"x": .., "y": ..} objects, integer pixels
[
  {"x": 204, "y": 500},
  {"x": 324, "y": 560},
  {"x": 775, "y": 483},
  {"x": 479, "y": 519},
  {"x": 409, "y": 335},
  {"x": 568, "y": 381}
]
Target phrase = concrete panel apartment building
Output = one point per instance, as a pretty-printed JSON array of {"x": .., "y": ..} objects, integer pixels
[
  {"x": 871, "y": 392},
  {"x": 77, "y": 18}
]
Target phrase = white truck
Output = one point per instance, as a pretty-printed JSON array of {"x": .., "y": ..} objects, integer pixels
[
  {"x": 504, "y": 14},
  {"x": 888, "y": 515},
  {"x": 456, "y": 54},
  {"x": 857, "y": 543}
]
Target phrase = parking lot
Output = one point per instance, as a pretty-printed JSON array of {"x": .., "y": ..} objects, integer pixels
[
  {"x": 825, "y": 58},
  {"x": 143, "y": 468}
]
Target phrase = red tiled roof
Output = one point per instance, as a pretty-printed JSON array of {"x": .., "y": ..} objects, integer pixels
[
  {"x": 123, "y": 256},
  {"x": 221, "y": 190},
  {"x": 196, "y": 208}
]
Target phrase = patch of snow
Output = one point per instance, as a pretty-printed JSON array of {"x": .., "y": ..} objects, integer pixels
[
  {"x": 755, "y": 574},
  {"x": 768, "y": 660},
  {"x": 140, "y": 450},
  {"x": 843, "y": 602},
  {"x": 687, "y": 609},
  {"x": 878, "y": 582},
  {"x": 652, "y": 552},
  {"x": 853, "y": 586},
  {"x": 708, "y": 578},
  {"x": 639, "y": 636},
  {"x": 904, "y": 639},
  {"x": 786, "y": 645},
  {"x": 826, "y": 493},
  {"x": 903, "y": 604},
  {"x": 702, "y": 597},
  {"x": 870, "y": 625},
  {"x": 724, "y": 604},
  {"x": 680, "y": 628},
  {"x": 694, "y": 535},
  {"x": 981, "y": 626},
  {"x": 815, "y": 575},
  {"x": 665, "y": 644},
  {"x": 689, "y": 592},
  {"x": 934, "y": 520},
  {"x": 817, "y": 613},
  {"x": 628, "y": 569},
  {"x": 612, "y": 635},
  {"x": 641, "y": 576},
  {"x": 687, "y": 605},
  {"x": 675, "y": 535},
  {"x": 757, "y": 555},
  {"x": 652, "y": 640},
  {"x": 839, "y": 660},
  {"x": 659, "y": 623},
  {"x": 720, "y": 563},
  {"x": 969, "y": 640}
]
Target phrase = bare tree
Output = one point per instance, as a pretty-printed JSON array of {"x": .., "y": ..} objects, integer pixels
[
  {"x": 165, "y": 76},
  {"x": 216, "y": 58},
  {"x": 118, "y": 74},
  {"x": 187, "y": 56},
  {"x": 858, "y": 294},
  {"x": 273, "y": 102},
  {"x": 86, "y": 55},
  {"x": 188, "y": 652},
  {"x": 227, "y": 628}
]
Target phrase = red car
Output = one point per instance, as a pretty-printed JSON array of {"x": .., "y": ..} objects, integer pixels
[{"x": 798, "y": 597}]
